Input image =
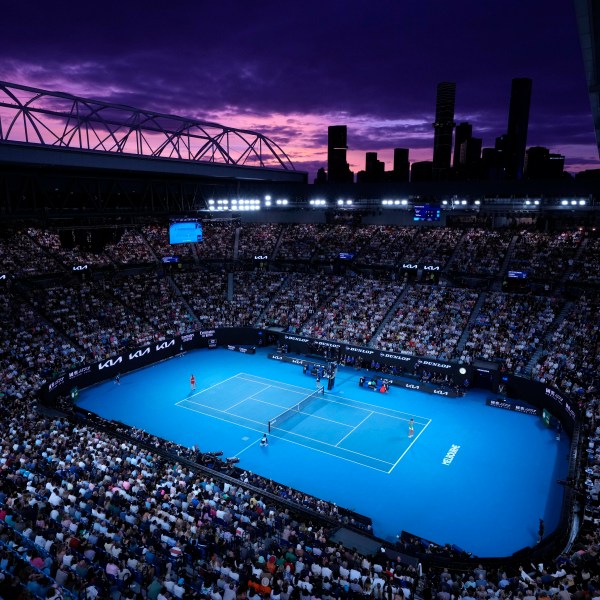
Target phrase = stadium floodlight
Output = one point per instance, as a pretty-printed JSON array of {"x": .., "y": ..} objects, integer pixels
[
  {"x": 268, "y": 198},
  {"x": 404, "y": 202},
  {"x": 573, "y": 202},
  {"x": 582, "y": 203},
  {"x": 211, "y": 201},
  {"x": 397, "y": 202},
  {"x": 284, "y": 202},
  {"x": 536, "y": 202},
  {"x": 527, "y": 202},
  {"x": 340, "y": 202},
  {"x": 349, "y": 201},
  {"x": 444, "y": 202},
  {"x": 564, "y": 202},
  {"x": 267, "y": 203},
  {"x": 477, "y": 202},
  {"x": 463, "y": 202}
]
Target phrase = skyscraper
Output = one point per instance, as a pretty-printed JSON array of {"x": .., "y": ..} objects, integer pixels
[
  {"x": 518, "y": 122},
  {"x": 443, "y": 127},
  {"x": 401, "y": 167},
  {"x": 338, "y": 170},
  {"x": 464, "y": 131}
]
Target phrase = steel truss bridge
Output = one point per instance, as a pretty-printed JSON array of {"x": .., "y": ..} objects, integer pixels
[{"x": 62, "y": 151}]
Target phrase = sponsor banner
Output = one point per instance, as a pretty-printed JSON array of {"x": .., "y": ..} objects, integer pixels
[
  {"x": 79, "y": 372},
  {"x": 242, "y": 349},
  {"x": 295, "y": 338},
  {"x": 210, "y": 333},
  {"x": 139, "y": 353},
  {"x": 513, "y": 405},
  {"x": 433, "y": 363},
  {"x": 557, "y": 397},
  {"x": 296, "y": 361},
  {"x": 398, "y": 357},
  {"x": 111, "y": 362},
  {"x": 358, "y": 350},
  {"x": 80, "y": 268},
  {"x": 164, "y": 345}
]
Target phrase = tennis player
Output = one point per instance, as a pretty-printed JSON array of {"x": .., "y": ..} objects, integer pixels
[
  {"x": 264, "y": 441},
  {"x": 411, "y": 428},
  {"x": 193, "y": 382}
]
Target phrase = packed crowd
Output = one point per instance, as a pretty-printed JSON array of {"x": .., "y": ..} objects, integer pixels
[
  {"x": 480, "y": 252},
  {"x": 207, "y": 294},
  {"x": 429, "y": 321},
  {"x": 570, "y": 359},
  {"x": 93, "y": 317},
  {"x": 545, "y": 255},
  {"x": 570, "y": 576},
  {"x": 385, "y": 245},
  {"x": 510, "y": 328},
  {"x": 76, "y": 252},
  {"x": 90, "y": 512},
  {"x": 82, "y": 510},
  {"x": 354, "y": 311},
  {"x": 131, "y": 249},
  {"x": 258, "y": 239},
  {"x": 585, "y": 268},
  {"x": 298, "y": 300},
  {"x": 299, "y": 241}
]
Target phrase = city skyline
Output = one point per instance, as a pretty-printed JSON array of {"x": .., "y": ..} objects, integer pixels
[{"x": 292, "y": 74}]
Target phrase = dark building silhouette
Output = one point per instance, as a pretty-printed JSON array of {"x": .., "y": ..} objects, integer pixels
[
  {"x": 401, "y": 169},
  {"x": 518, "y": 123},
  {"x": 540, "y": 163},
  {"x": 470, "y": 158},
  {"x": 491, "y": 163},
  {"x": 338, "y": 170},
  {"x": 421, "y": 171},
  {"x": 588, "y": 22},
  {"x": 443, "y": 128},
  {"x": 463, "y": 132},
  {"x": 374, "y": 170},
  {"x": 321, "y": 176}
]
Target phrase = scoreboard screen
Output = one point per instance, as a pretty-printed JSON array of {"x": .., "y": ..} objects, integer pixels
[{"x": 427, "y": 213}]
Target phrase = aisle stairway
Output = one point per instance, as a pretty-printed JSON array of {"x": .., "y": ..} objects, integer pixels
[
  {"x": 389, "y": 315},
  {"x": 548, "y": 337},
  {"x": 474, "y": 313}
]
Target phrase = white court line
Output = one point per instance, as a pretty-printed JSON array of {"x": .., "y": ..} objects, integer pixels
[
  {"x": 375, "y": 406},
  {"x": 326, "y": 398},
  {"x": 292, "y": 442},
  {"x": 353, "y": 429},
  {"x": 410, "y": 446},
  {"x": 303, "y": 413},
  {"x": 247, "y": 447},
  {"x": 387, "y": 462},
  {"x": 218, "y": 410},
  {"x": 214, "y": 385},
  {"x": 278, "y": 383}
]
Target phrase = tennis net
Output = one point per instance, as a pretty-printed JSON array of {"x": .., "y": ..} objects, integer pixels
[{"x": 294, "y": 410}]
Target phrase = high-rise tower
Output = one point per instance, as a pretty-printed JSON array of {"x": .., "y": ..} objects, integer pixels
[
  {"x": 518, "y": 122},
  {"x": 443, "y": 127},
  {"x": 338, "y": 170}
]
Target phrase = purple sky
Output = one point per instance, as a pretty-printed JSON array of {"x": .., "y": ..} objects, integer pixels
[{"x": 290, "y": 70}]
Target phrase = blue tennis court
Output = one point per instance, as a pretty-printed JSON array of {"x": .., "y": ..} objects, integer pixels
[
  {"x": 327, "y": 423},
  {"x": 467, "y": 469}
]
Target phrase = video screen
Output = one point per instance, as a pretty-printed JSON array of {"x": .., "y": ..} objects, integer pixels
[
  {"x": 185, "y": 231},
  {"x": 517, "y": 275},
  {"x": 427, "y": 213}
]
